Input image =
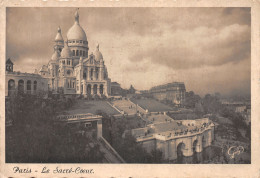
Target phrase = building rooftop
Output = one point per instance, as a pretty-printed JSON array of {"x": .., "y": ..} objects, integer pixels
[
  {"x": 156, "y": 118},
  {"x": 179, "y": 85},
  {"x": 169, "y": 129}
]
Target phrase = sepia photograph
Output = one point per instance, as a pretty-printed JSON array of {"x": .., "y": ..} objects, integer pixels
[{"x": 135, "y": 85}]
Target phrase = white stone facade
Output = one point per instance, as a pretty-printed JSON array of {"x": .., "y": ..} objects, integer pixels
[
  {"x": 71, "y": 70},
  {"x": 17, "y": 82},
  {"x": 187, "y": 137}
]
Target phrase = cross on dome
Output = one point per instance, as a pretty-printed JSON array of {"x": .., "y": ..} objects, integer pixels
[
  {"x": 59, "y": 30},
  {"x": 77, "y": 16}
]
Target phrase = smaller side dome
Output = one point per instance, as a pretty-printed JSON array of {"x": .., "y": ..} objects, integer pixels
[
  {"x": 55, "y": 56},
  {"x": 98, "y": 54},
  {"x": 59, "y": 36},
  {"x": 66, "y": 52}
]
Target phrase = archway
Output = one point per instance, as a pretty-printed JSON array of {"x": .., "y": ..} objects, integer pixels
[
  {"x": 11, "y": 87},
  {"x": 180, "y": 149},
  {"x": 194, "y": 145},
  {"x": 20, "y": 87},
  {"x": 203, "y": 142},
  {"x": 29, "y": 86},
  {"x": 81, "y": 89},
  {"x": 101, "y": 89},
  {"x": 89, "y": 89},
  {"x": 95, "y": 89}
]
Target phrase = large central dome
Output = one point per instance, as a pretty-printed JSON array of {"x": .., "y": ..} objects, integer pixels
[{"x": 76, "y": 32}]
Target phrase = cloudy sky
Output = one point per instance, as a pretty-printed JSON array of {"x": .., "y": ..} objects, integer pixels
[{"x": 207, "y": 48}]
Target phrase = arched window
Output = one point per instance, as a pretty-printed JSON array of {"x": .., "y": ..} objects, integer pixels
[
  {"x": 29, "y": 86},
  {"x": 77, "y": 53},
  {"x": 11, "y": 87},
  {"x": 84, "y": 75},
  {"x": 35, "y": 85},
  {"x": 68, "y": 72},
  {"x": 73, "y": 52},
  {"x": 20, "y": 86},
  {"x": 73, "y": 85},
  {"x": 89, "y": 89},
  {"x": 84, "y": 53},
  {"x": 80, "y": 52}
]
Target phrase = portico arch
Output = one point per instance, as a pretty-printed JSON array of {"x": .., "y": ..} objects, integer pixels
[
  {"x": 89, "y": 89},
  {"x": 95, "y": 89},
  {"x": 180, "y": 150},
  {"x": 195, "y": 144},
  {"x": 101, "y": 89}
]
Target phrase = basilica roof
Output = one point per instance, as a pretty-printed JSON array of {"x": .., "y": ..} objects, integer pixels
[
  {"x": 66, "y": 52},
  {"x": 98, "y": 54},
  {"x": 59, "y": 36},
  {"x": 76, "y": 32},
  {"x": 55, "y": 56}
]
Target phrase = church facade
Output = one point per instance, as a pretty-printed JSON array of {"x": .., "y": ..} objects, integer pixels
[{"x": 72, "y": 70}]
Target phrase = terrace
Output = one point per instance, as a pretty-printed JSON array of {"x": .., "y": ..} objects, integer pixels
[
  {"x": 93, "y": 107},
  {"x": 152, "y": 105}
]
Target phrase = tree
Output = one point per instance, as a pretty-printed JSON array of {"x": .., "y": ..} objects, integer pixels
[
  {"x": 36, "y": 137},
  {"x": 191, "y": 99}
]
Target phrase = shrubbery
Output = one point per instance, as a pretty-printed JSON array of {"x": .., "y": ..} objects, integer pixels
[{"x": 35, "y": 137}]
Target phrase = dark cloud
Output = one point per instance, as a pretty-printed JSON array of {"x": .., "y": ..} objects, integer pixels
[{"x": 208, "y": 48}]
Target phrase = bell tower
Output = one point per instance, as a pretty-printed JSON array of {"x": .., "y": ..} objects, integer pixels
[
  {"x": 59, "y": 42},
  {"x": 9, "y": 65}
]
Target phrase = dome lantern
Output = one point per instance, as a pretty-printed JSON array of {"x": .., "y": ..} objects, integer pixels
[
  {"x": 59, "y": 36},
  {"x": 76, "y": 32},
  {"x": 98, "y": 54}
]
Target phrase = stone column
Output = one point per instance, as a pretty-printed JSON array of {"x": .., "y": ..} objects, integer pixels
[
  {"x": 209, "y": 140},
  {"x": 88, "y": 74},
  {"x": 199, "y": 145},
  {"x": 101, "y": 73},
  {"x": 172, "y": 150},
  {"x": 32, "y": 88},
  {"x": 92, "y": 89},
  {"x": 188, "y": 147},
  {"x": 94, "y": 74},
  {"x": 105, "y": 90},
  {"x": 84, "y": 92},
  {"x": 25, "y": 86},
  {"x": 98, "y": 90},
  {"x": 99, "y": 128},
  {"x": 99, "y": 76}
]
